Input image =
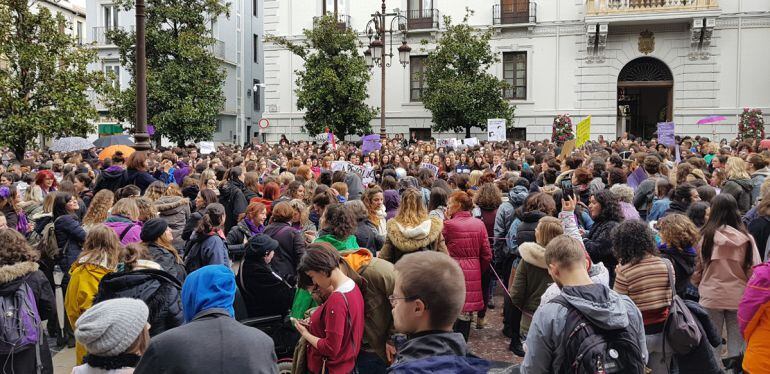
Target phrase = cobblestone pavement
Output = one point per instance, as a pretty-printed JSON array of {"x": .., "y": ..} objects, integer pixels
[{"x": 490, "y": 343}]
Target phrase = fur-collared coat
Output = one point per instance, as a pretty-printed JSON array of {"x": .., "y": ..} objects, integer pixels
[
  {"x": 175, "y": 210},
  {"x": 402, "y": 240},
  {"x": 531, "y": 281}
]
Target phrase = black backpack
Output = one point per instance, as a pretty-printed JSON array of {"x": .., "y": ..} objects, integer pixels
[{"x": 589, "y": 349}]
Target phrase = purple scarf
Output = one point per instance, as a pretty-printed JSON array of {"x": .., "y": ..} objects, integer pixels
[{"x": 253, "y": 228}]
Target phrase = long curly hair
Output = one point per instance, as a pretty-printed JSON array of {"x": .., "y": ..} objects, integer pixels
[
  {"x": 14, "y": 248},
  {"x": 632, "y": 240},
  {"x": 489, "y": 197},
  {"x": 678, "y": 231},
  {"x": 610, "y": 208},
  {"x": 155, "y": 191},
  {"x": 339, "y": 221},
  {"x": 411, "y": 211},
  {"x": 99, "y": 208}
]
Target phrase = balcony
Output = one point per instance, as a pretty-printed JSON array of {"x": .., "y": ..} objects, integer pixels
[
  {"x": 217, "y": 48},
  {"x": 644, "y": 11},
  {"x": 422, "y": 19},
  {"x": 343, "y": 21},
  {"x": 520, "y": 12},
  {"x": 99, "y": 34}
]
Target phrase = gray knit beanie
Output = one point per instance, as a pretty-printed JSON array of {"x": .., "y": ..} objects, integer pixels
[{"x": 111, "y": 326}]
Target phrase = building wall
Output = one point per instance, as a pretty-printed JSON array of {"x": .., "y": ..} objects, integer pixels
[
  {"x": 559, "y": 77},
  {"x": 231, "y": 48}
]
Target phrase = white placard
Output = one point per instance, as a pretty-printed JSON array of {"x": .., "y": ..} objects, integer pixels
[
  {"x": 471, "y": 142},
  {"x": 496, "y": 129},
  {"x": 430, "y": 167},
  {"x": 207, "y": 148}
]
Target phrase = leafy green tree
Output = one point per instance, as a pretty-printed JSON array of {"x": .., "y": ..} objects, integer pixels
[
  {"x": 460, "y": 93},
  {"x": 332, "y": 87},
  {"x": 184, "y": 78},
  {"x": 44, "y": 78}
]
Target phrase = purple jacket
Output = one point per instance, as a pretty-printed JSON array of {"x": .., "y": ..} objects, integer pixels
[
  {"x": 131, "y": 236},
  {"x": 756, "y": 294},
  {"x": 629, "y": 211},
  {"x": 391, "y": 201},
  {"x": 182, "y": 170}
]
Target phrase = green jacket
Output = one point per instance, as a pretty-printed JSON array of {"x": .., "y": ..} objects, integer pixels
[{"x": 530, "y": 282}]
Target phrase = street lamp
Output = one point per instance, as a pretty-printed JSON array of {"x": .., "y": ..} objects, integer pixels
[
  {"x": 141, "y": 137},
  {"x": 376, "y": 54}
]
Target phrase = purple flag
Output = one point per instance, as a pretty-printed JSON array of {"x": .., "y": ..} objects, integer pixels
[
  {"x": 370, "y": 143},
  {"x": 150, "y": 130},
  {"x": 710, "y": 119},
  {"x": 636, "y": 178}
]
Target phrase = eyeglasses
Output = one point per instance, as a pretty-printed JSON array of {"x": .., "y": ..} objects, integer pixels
[{"x": 393, "y": 299}]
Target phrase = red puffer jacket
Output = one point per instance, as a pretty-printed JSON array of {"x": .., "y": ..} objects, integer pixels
[{"x": 466, "y": 240}]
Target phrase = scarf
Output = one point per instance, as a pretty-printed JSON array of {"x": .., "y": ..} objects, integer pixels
[
  {"x": 253, "y": 228},
  {"x": 118, "y": 218}
]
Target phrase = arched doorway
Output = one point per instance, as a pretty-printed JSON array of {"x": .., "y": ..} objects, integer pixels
[{"x": 645, "y": 96}]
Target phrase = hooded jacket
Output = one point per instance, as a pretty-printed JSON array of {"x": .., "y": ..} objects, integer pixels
[
  {"x": 290, "y": 250},
  {"x": 158, "y": 289},
  {"x": 111, "y": 179},
  {"x": 69, "y": 235},
  {"x": 525, "y": 232},
  {"x": 391, "y": 201},
  {"x": 11, "y": 278},
  {"x": 237, "y": 238},
  {"x": 355, "y": 186},
  {"x": 467, "y": 242},
  {"x": 684, "y": 265},
  {"x": 757, "y": 178},
  {"x": 741, "y": 190},
  {"x": 754, "y": 319},
  {"x": 235, "y": 203},
  {"x": 339, "y": 245},
  {"x": 503, "y": 220},
  {"x": 205, "y": 250},
  {"x": 402, "y": 240},
  {"x": 722, "y": 281},
  {"x": 83, "y": 285},
  {"x": 603, "y": 307},
  {"x": 368, "y": 237},
  {"x": 437, "y": 352},
  {"x": 167, "y": 261},
  {"x": 126, "y": 230},
  {"x": 181, "y": 171},
  {"x": 175, "y": 210},
  {"x": 207, "y": 299},
  {"x": 141, "y": 179},
  {"x": 264, "y": 292},
  {"x": 531, "y": 280}
]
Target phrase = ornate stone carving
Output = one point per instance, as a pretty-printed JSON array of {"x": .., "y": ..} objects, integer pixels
[{"x": 646, "y": 42}]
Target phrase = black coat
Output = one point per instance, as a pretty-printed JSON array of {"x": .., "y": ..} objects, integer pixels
[
  {"x": 141, "y": 179},
  {"x": 158, "y": 289},
  {"x": 526, "y": 230},
  {"x": 167, "y": 261},
  {"x": 231, "y": 196},
  {"x": 11, "y": 217},
  {"x": 701, "y": 360},
  {"x": 212, "y": 343},
  {"x": 598, "y": 244},
  {"x": 191, "y": 224},
  {"x": 684, "y": 266},
  {"x": 760, "y": 230},
  {"x": 264, "y": 293},
  {"x": 69, "y": 235},
  {"x": 236, "y": 239},
  {"x": 368, "y": 237},
  {"x": 11, "y": 278},
  {"x": 290, "y": 249}
]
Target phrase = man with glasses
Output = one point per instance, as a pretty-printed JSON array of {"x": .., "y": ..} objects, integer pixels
[{"x": 427, "y": 298}]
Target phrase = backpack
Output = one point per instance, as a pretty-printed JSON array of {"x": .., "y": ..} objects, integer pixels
[
  {"x": 681, "y": 327},
  {"x": 47, "y": 244},
  {"x": 20, "y": 327},
  {"x": 590, "y": 349}
]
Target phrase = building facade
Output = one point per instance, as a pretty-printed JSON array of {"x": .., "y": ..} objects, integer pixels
[
  {"x": 74, "y": 13},
  {"x": 237, "y": 45},
  {"x": 627, "y": 63}
]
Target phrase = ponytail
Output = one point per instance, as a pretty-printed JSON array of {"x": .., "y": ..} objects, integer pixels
[{"x": 212, "y": 219}]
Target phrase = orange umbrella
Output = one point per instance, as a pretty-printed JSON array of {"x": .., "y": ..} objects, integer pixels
[{"x": 110, "y": 151}]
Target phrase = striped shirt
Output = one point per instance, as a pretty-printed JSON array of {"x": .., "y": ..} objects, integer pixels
[{"x": 648, "y": 286}]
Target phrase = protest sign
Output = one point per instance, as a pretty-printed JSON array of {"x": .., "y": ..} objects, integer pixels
[
  {"x": 666, "y": 134},
  {"x": 636, "y": 178},
  {"x": 446, "y": 143},
  {"x": 471, "y": 142},
  {"x": 339, "y": 165},
  {"x": 583, "y": 131},
  {"x": 207, "y": 148},
  {"x": 430, "y": 167},
  {"x": 496, "y": 129}
]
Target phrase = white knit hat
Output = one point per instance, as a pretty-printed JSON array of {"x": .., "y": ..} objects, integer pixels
[{"x": 111, "y": 326}]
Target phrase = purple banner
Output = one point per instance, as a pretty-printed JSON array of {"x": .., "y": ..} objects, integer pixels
[
  {"x": 150, "y": 130},
  {"x": 666, "y": 134},
  {"x": 636, "y": 178}
]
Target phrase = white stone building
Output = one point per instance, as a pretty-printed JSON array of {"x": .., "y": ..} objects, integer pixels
[
  {"x": 74, "y": 12},
  {"x": 238, "y": 46},
  {"x": 627, "y": 63}
]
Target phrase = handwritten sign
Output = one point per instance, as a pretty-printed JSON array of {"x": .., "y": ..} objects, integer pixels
[
  {"x": 471, "y": 142},
  {"x": 496, "y": 129},
  {"x": 430, "y": 167},
  {"x": 666, "y": 134},
  {"x": 446, "y": 143},
  {"x": 207, "y": 148},
  {"x": 583, "y": 131}
]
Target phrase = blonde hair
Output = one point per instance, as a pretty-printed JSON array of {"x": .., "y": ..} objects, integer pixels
[
  {"x": 301, "y": 208},
  {"x": 411, "y": 211},
  {"x": 206, "y": 175},
  {"x": 736, "y": 168},
  {"x": 126, "y": 207},
  {"x": 147, "y": 209},
  {"x": 341, "y": 188},
  {"x": 547, "y": 229},
  {"x": 474, "y": 178},
  {"x": 102, "y": 247},
  {"x": 678, "y": 231},
  {"x": 155, "y": 190},
  {"x": 99, "y": 208},
  {"x": 49, "y": 200},
  {"x": 173, "y": 190}
]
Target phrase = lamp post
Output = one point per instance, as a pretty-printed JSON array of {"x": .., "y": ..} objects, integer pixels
[
  {"x": 376, "y": 53},
  {"x": 141, "y": 138}
]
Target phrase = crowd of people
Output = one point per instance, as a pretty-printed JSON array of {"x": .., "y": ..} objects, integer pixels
[{"x": 620, "y": 256}]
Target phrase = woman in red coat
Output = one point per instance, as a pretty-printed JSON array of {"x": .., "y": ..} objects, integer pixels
[{"x": 466, "y": 241}]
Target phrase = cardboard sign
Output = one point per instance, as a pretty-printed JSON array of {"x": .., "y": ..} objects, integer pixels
[
  {"x": 496, "y": 129},
  {"x": 636, "y": 178},
  {"x": 369, "y": 176},
  {"x": 583, "y": 131},
  {"x": 446, "y": 143},
  {"x": 207, "y": 148},
  {"x": 430, "y": 167},
  {"x": 339, "y": 165},
  {"x": 471, "y": 142},
  {"x": 666, "y": 134}
]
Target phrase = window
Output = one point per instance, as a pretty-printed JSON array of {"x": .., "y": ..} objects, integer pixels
[
  {"x": 515, "y": 73},
  {"x": 256, "y": 48},
  {"x": 115, "y": 70},
  {"x": 110, "y": 16},
  {"x": 416, "y": 77},
  {"x": 255, "y": 7},
  {"x": 257, "y": 96},
  {"x": 331, "y": 6},
  {"x": 79, "y": 32},
  {"x": 218, "y": 125}
]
